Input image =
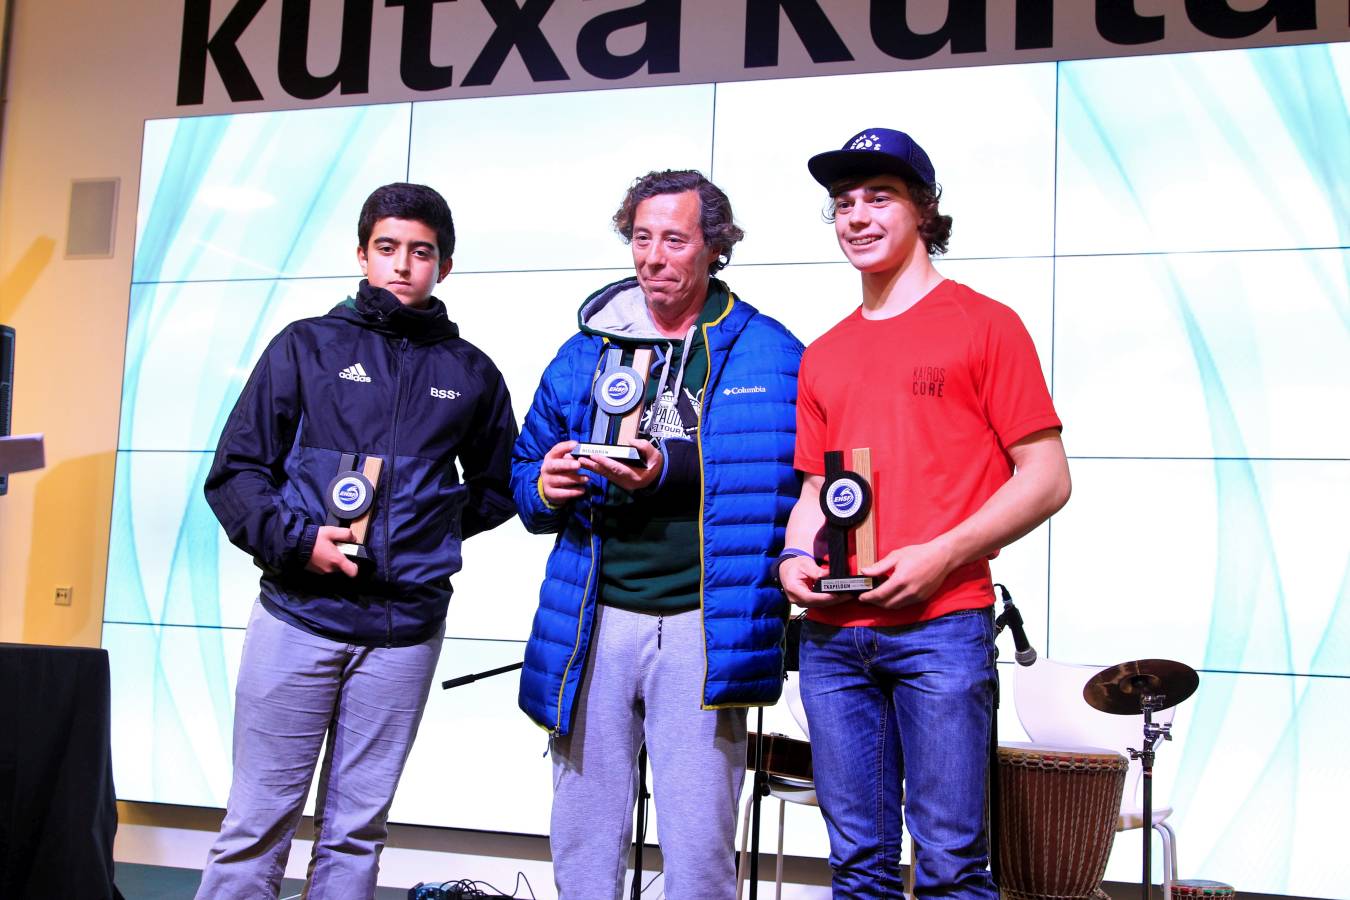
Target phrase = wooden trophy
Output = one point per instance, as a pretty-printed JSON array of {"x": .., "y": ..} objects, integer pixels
[
  {"x": 350, "y": 498},
  {"x": 619, "y": 393},
  {"x": 846, "y": 499}
]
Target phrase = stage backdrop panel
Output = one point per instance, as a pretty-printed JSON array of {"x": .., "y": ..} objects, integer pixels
[{"x": 1173, "y": 231}]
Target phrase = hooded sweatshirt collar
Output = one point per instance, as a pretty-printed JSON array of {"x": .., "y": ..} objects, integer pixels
[
  {"x": 619, "y": 312},
  {"x": 379, "y": 310}
]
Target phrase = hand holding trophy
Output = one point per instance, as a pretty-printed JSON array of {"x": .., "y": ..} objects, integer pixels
[{"x": 349, "y": 499}]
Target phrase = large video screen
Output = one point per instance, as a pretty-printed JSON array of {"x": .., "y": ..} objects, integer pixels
[{"x": 1172, "y": 229}]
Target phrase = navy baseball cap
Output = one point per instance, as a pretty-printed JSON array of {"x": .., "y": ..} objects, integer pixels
[{"x": 875, "y": 151}]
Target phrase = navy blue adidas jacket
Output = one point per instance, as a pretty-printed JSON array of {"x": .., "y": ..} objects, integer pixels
[{"x": 370, "y": 377}]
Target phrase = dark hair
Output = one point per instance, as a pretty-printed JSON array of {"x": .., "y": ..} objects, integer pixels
[
  {"x": 414, "y": 202},
  {"x": 935, "y": 229},
  {"x": 719, "y": 231}
]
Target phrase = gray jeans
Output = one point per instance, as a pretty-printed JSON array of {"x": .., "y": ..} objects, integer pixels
[
  {"x": 644, "y": 680},
  {"x": 298, "y": 693}
]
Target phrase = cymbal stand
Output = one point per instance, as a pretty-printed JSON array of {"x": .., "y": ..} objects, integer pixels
[{"x": 1154, "y": 734}]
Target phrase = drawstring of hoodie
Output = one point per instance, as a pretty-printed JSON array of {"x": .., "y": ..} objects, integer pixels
[{"x": 665, "y": 369}]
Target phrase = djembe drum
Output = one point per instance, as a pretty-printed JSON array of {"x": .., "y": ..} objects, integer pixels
[{"x": 1057, "y": 819}]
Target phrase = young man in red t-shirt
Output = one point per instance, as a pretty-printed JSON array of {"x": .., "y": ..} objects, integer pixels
[{"x": 944, "y": 387}]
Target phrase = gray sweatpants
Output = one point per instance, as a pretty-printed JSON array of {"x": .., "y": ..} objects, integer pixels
[
  {"x": 299, "y": 694},
  {"x": 644, "y": 679}
]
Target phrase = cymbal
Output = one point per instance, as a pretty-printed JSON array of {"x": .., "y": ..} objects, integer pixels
[{"x": 1119, "y": 690}]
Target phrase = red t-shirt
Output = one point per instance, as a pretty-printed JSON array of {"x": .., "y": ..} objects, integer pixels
[{"x": 937, "y": 393}]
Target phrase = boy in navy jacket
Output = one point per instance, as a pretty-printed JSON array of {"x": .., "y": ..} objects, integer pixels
[{"x": 339, "y": 656}]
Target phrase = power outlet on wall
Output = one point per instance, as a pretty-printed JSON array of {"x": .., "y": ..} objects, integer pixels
[{"x": 63, "y": 595}]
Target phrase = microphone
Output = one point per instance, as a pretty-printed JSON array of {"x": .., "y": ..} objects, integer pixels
[{"x": 1025, "y": 654}]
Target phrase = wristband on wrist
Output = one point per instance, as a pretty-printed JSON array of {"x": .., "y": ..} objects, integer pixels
[{"x": 788, "y": 553}]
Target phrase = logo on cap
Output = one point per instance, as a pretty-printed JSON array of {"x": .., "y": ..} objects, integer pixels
[{"x": 866, "y": 142}]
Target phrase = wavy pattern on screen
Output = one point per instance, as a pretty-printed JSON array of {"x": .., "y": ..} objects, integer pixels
[
  {"x": 190, "y": 592},
  {"x": 1235, "y": 158},
  {"x": 191, "y": 582},
  {"x": 1304, "y": 86},
  {"x": 1250, "y": 617},
  {"x": 265, "y": 195}
]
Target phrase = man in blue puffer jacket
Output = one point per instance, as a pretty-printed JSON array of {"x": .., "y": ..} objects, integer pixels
[
  {"x": 334, "y": 655},
  {"x": 657, "y": 618}
]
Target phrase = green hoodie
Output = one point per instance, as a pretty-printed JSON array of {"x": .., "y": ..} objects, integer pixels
[{"x": 649, "y": 559}]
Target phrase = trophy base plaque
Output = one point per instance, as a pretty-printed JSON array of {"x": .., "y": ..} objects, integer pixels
[
  {"x": 848, "y": 585},
  {"x": 357, "y": 553},
  {"x": 621, "y": 452}
]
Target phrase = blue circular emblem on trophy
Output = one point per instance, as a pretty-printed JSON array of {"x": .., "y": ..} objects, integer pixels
[
  {"x": 349, "y": 495},
  {"x": 846, "y": 499},
  {"x": 619, "y": 390}
]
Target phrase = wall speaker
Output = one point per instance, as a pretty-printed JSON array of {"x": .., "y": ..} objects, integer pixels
[{"x": 93, "y": 213}]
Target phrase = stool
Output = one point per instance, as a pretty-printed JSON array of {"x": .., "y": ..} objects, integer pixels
[{"x": 1198, "y": 887}]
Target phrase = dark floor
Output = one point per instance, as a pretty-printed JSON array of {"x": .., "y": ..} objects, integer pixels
[{"x": 138, "y": 882}]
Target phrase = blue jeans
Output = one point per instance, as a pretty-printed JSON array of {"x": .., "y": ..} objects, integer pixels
[
  {"x": 299, "y": 694},
  {"x": 906, "y": 705}
]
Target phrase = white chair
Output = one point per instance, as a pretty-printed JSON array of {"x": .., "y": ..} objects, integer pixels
[
  {"x": 1050, "y": 705},
  {"x": 785, "y": 791}
]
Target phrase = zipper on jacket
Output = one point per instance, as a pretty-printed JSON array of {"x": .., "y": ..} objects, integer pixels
[
  {"x": 703, "y": 494},
  {"x": 590, "y": 574},
  {"x": 581, "y": 617},
  {"x": 393, "y": 456}
]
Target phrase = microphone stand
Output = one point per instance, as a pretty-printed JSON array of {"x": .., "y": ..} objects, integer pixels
[
  {"x": 643, "y": 795},
  {"x": 995, "y": 867},
  {"x": 1009, "y": 616},
  {"x": 759, "y": 792},
  {"x": 640, "y": 828},
  {"x": 470, "y": 679}
]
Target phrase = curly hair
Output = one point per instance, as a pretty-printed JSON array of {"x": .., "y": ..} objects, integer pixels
[
  {"x": 715, "y": 220},
  {"x": 935, "y": 229},
  {"x": 414, "y": 202}
]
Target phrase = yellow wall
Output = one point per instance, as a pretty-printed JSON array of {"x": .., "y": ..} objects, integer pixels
[{"x": 70, "y": 316}]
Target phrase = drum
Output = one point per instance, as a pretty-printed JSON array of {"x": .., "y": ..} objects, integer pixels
[
  {"x": 1057, "y": 819},
  {"x": 1195, "y": 887}
]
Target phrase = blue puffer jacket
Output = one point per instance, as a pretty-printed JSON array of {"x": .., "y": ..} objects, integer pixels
[{"x": 748, "y": 488}]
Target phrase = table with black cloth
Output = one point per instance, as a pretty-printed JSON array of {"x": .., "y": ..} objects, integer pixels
[{"x": 58, "y": 812}]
